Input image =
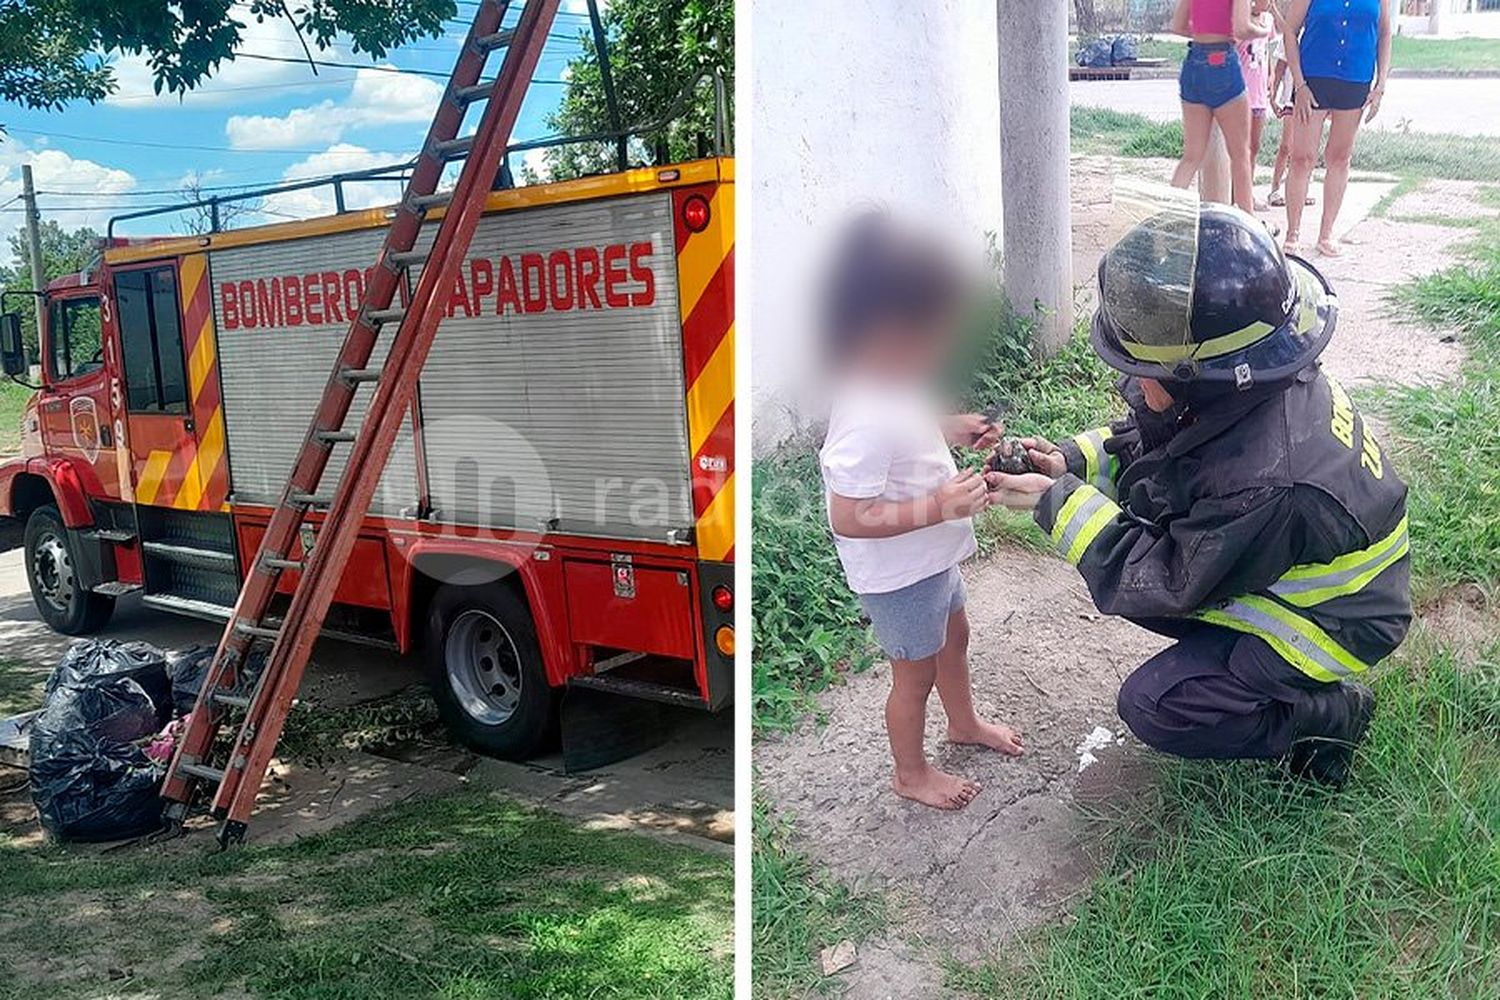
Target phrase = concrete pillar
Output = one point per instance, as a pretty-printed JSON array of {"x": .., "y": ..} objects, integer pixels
[
  {"x": 1214, "y": 182},
  {"x": 1435, "y": 16},
  {"x": 1036, "y": 238}
]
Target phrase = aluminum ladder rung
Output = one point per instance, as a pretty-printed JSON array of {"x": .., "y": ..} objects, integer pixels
[
  {"x": 383, "y": 316},
  {"x": 453, "y": 149},
  {"x": 309, "y": 499},
  {"x": 232, "y": 700},
  {"x": 202, "y": 772},
  {"x": 500, "y": 39},
  {"x": 275, "y": 562},
  {"x": 354, "y": 376},
  {"x": 256, "y": 631},
  {"x": 407, "y": 258},
  {"x": 422, "y": 202},
  {"x": 478, "y": 92},
  {"x": 334, "y": 437}
]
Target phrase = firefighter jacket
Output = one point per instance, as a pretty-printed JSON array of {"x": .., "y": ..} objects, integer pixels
[{"x": 1272, "y": 512}]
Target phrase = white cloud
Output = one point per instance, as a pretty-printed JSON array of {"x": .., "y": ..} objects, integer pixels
[
  {"x": 317, "y": 201},
  {"x": 274, "y": 36},
  {"x": 53, "y": 169},
  {"x": 375, "y": 98}
]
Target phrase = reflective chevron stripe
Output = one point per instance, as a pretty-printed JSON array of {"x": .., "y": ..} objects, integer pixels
[{"x": 1315, "y": 583}]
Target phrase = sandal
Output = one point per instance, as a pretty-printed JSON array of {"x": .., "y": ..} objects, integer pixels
[{"x": 1277, "y": 199}]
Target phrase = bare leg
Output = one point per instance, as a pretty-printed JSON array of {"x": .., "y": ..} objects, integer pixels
[
  {"x": 1234, "y": 121},
  {"x": 1306, "y": 138},
  {"x": 905, "y": 723},
  {"x": 1197, "y": 119},
  {"x": 964, "y": 724},
  {"x": 1257, "y": 128},
  {"x": 1336, "y": 157},
  {"x": 1283, "y": 153}
]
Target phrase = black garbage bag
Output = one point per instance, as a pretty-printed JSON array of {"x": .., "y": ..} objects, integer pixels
[
  {"x": 1094, "y": 54},
  {"x": 98, "y": 659},
  {"x": 187, "y": 670},
  {"x": 1124, "y": 50},
  {"x": 90, "y": 777}
]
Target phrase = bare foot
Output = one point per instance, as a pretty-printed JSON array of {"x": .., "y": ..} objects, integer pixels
[
  {"x": 1292, "y": 243},
  {"x": 936, "y": 788},
  {"x": 1328, "y": 248},
  {"x": 988, "y": 734}
]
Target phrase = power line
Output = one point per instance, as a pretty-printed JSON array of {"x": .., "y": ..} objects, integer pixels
[
  {"x": 175, "y": 145},
  {"x": 438, "y": 74}
]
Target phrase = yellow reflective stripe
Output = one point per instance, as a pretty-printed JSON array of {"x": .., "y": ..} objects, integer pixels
[
  {"x": 1090, "y": 449},
  {"x": 1099, "y": 467},
  {"x": 1090, "y": 530},
  {"x": 1349, "y": 560},
  {"x": 1350, "y": 585},
  {"x": 1211, "y": 348},
  {"x": 1296, "y": 639},
  {"x": 1083, "y": 515}
]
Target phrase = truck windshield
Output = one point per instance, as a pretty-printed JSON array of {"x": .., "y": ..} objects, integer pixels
[{"x": 74, "y": 327}]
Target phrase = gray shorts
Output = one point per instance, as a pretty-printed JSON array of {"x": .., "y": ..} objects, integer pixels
[{"x": 912, "y": 623}]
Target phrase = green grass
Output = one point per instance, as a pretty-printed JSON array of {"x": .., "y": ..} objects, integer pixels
[
  {"x": 1240, "y": 886},
  {"x": 13, "y": 397},
  {"x": 1446, "y": 434},
  {"x": 20, "y": 687},
  {"x": 1403, "y": 154},
  {"x": 798, "y": 910},
  {"x": 464, "y": 896},
  {"x": 1456, "y": 54}
]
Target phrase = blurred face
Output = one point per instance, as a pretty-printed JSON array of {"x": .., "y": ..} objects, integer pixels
[
  {"x": 907, "y": 352},
  {"x": 1157, "y": 397}
]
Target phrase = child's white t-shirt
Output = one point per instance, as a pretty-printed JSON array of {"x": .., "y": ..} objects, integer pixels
[{"x": 886, "y": 441}]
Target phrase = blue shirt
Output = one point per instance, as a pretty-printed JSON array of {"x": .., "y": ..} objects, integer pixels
[{"x": 1339, "y": 39}]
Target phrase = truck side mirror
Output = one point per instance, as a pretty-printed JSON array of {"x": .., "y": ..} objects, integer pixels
[{"x": 12, "y": 350}]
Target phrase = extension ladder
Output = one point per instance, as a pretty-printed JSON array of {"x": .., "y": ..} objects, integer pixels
[{"x": 204, "y": 765}]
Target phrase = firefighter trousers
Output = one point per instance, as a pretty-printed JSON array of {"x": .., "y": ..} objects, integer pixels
[{"x": 1214, "y": 693}]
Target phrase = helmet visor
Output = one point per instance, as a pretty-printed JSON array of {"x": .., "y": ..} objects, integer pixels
[{"x": 1146, "y": 279}]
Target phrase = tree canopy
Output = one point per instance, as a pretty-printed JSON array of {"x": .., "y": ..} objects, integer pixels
[
  {"x": 656, "y": 48},
  {"x": 64, "y": 251},
  {"x": 56, "y": 51}
]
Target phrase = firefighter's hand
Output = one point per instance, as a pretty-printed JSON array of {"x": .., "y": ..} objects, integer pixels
[
  {"x": 1045, "y": 456},
  {"x": 962, "y": 496},
  {"x": 972, "y": 430},
  {"x": 1016, "y": 492}
]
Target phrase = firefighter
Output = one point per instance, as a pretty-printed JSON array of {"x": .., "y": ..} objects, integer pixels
[{"x": 1242, "y": 507}]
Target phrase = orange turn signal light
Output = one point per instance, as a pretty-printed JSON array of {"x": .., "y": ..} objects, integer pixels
[{"x": 724, "y": 640}]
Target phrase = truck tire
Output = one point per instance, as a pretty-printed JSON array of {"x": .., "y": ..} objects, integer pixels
[
  {"x": 51, "y": 571},
  {"x": 485, "y": 669}
]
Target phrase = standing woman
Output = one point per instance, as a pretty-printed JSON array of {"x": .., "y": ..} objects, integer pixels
[
  {"x": 1212, "y": 88},
  {"x": 1338, "y": 52}
]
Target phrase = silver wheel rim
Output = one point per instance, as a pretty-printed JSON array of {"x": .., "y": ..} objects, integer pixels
[
  {"x": 484, "y": 668},
  {"x": 52, "y": 571}
]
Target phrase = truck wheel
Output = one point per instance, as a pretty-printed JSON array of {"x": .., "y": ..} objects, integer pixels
[
  {"x": 51, "y": 570},
  {"x": 485, "y": 668}
]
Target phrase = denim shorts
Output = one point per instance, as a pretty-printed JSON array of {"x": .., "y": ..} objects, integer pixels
[
  {"x": 912, "y": 623},
  {"x": 1211, "y": 75}
]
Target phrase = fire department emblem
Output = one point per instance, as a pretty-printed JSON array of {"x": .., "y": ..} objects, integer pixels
[{"x": 85, "y": 426}]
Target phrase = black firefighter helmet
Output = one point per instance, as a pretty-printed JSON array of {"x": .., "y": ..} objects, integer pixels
[{"x": 1207, "y": 295}]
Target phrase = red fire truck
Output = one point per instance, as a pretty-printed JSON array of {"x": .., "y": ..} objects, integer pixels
[{"x": 559, "y": 510}]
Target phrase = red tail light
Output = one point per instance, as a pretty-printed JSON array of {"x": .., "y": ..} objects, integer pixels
[
  {"x": 695, "y": 213},
  {"x": 723, "y": 599}
]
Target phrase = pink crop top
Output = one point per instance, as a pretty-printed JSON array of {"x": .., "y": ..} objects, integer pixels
[{"x": 1211, "y": 17}]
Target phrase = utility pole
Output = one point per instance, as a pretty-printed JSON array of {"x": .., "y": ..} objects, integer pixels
[
  {"x": 34, "y": 242},
  {"x": 1036, "y": 235},
  {"x": 1435, "y": 17}
]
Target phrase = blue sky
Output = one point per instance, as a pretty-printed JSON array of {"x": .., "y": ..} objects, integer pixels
[{"x": 257, "y": 122}]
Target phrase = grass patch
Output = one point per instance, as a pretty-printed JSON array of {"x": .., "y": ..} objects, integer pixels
[
  {"x": 13, "y": 397},
  {"x": 798, "y": 910},
  {"x": 1239, "y": 886},
  {"x": 1446, "y": 441},
  {"x": 463, "y": 896},
  {"x": 20, "y": 687},
  {"x": 1453, "y": 54},
  {"x": 1404, "y": 154}
]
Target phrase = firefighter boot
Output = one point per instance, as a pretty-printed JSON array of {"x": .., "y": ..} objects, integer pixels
[{"x": 1326, "y": 729}]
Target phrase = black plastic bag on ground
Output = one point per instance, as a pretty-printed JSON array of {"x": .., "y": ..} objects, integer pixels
[
  {"x": 187, "y": 670},
  {"x": 90, "y": 778},
  {"x": 97, "y": 659}
]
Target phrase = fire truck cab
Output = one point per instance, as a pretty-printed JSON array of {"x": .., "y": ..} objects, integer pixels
[{"x": 559, "y": 510}]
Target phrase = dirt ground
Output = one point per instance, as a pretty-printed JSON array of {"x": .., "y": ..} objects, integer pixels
[{"x": 1042, "y": 659}]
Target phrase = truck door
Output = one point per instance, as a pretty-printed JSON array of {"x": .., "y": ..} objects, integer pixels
[
  {"x": 166, "y": 342},
  {"x": 75, "y": 404}
]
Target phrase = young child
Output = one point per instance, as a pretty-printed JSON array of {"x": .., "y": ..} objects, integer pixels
[
  {"x": 1254, "y": 54},
  {"x": 1281, "y": 104},
  {"x": 899, "y": 508}
]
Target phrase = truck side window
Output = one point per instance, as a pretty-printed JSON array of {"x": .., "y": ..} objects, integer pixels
[
  {"x": 151, "y": 340},
  {"x": 73, "y": 328}
]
